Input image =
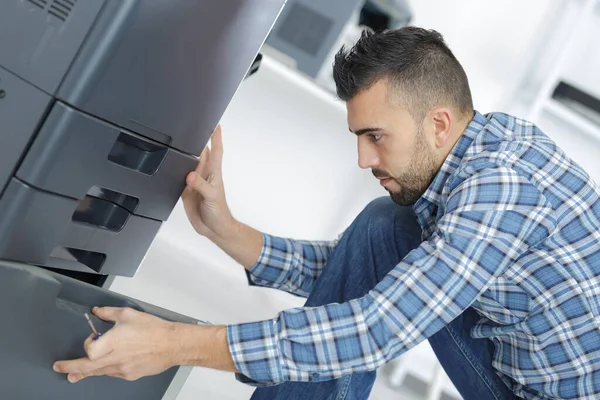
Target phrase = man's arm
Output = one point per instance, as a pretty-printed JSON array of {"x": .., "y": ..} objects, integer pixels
[
  {"x": 281, "y": 263},
  {"x": 143, "y": 345},
  {"x": 290, "y": 265},
  {"x": 492, "y": 219},
  {"x": 285, "y": 264}
]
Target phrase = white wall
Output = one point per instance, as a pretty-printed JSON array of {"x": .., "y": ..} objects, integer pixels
[
  {"x": 586, "y": 74},
  {"x": 493, "y": 40},
  {"x": 508, "y": 47}
]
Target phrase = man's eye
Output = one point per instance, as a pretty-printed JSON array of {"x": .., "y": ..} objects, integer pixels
[{"x": 375, "y": 137}]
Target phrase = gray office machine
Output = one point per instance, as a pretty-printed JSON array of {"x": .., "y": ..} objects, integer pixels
[
  {"x": 308, "y": 29},
  {"x": 104, "y": 107}
]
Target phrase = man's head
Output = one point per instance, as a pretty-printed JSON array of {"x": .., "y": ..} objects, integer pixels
[{"x": 408, "y": 101}]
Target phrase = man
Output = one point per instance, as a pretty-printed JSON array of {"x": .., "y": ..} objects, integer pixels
[{"x": 490, "y": 250}]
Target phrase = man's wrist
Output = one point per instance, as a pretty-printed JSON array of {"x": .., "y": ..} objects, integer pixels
[
  {"x": 227, "y": 232},
  {"x": 203, "y": 346},
  {"x": 230, "y": 230}
]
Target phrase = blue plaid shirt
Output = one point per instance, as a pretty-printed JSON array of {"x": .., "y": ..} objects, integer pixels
[{"x": 511, "y": 227}]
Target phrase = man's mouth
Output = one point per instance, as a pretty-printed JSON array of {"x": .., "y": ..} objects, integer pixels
[{"x": 384, "y": 180}]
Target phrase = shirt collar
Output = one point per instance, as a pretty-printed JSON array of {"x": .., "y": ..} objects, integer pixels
[{"x": 433, "y": 194}]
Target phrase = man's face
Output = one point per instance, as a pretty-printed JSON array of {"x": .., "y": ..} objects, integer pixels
[{"x": 396, "y": 148}]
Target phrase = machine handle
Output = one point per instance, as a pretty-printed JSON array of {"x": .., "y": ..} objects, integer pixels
[
  {"x": 138, "y": 154},
  {"x": 101, "y": 213}
]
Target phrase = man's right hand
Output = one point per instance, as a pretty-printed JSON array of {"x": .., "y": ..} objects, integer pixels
[{"x": 204, "y": 196}]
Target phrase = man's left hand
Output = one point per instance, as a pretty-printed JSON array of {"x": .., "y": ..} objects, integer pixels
[{"x": 138, "y": 345}]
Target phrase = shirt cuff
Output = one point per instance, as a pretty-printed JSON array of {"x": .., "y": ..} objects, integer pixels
[
  {"x": 255, "y": 352},
  {"x": 267, "y": 271},
  {"x": 249, "y": 278},
  {"x": 253, "y": 274}
]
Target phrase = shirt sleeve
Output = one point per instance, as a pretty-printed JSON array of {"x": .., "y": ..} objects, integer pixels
[
  {"x": 290, "y": 265},
  {"x": 491, "y": 218}
]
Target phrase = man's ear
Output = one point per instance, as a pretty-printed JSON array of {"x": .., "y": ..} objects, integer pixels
[{"x": 441, "y": 119}]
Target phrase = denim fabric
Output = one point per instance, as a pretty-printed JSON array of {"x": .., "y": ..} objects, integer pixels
[{"x": 376, "y": 241}]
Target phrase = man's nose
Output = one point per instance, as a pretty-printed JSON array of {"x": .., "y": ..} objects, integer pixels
[{"x": 367, "y": 156}]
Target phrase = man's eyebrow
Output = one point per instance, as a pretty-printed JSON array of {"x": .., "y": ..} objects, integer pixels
[{"x": 365, "y": 130}]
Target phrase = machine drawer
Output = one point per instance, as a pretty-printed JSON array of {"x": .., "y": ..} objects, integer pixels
[
  {"x": 75, "y": 154},
  {"x": 22, "y": 107},
  {"x": 93, "y": 235}
]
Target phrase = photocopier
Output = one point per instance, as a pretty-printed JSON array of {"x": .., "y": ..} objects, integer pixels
[{"x": 105, "y": 106}]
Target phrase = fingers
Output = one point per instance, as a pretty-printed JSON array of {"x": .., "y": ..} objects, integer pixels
[
  {"x": 207, "y": 171},
  {"x": 97, "y": 350},
  {"x": 199, "y": 171},
  {"x": 201, "y": 186},
  {"x": 185, "y": 195},
  {"x": 80, "y": 366},
  {"x": 216, "y": 143},
  {"x": 115, "y": 314},
  {"x": 209, "y": 165},
  {"x": 112, "y": 314},
  {"x": 88, "y": 342},
  {"x": 75, "y": 377},
  {"x": 190, "y": 180},
  {"x": 101, "y": 347},
  {"x": 110, "y": 371},
  {"x": 107, "y": 366},
  {"x": 204, "y": 157}
]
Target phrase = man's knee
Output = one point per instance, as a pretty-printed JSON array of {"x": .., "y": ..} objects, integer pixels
[
  {"x": 380, "y": 208},
  {"x": 383, "y": 210},
  {"x": 384, "y": 217}
]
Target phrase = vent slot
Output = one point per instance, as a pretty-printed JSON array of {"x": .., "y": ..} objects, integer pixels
[
  {"x": 60, "y": 8},
  {"x": 39, "y": 3}
]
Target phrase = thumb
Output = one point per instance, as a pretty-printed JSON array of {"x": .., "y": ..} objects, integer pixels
[
  {"x": 111, "y": 314},
  {"x": 201, "y": 186}
]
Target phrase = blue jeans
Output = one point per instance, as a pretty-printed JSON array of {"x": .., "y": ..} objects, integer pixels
[{"x": 375, "y": 242}]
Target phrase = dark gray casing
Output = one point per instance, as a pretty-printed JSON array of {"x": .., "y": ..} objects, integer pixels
[
  {"x": 50, "y": 326},
  {"x": 21, "y": 111},
  {"x": 104, "y": 107},
  {"x": 72, "y": 154},
  {"x": 167, "y": 69},
  {"x": 60, "y": 242},
  {"x": 38, "y": 43}
]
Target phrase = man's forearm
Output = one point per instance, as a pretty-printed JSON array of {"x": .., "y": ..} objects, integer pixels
[
  {"x": 201, "y": 346},
  {"x": 242, "y": 243}
]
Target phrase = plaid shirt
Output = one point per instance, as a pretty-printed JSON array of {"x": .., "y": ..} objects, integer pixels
[{"x": 511, "y": 227}]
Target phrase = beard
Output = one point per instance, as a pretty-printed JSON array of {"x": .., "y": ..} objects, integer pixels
[{"x": 418, "y": 176}]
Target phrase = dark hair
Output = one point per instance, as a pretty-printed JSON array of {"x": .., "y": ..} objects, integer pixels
[{"x": 417, "y": 62}]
